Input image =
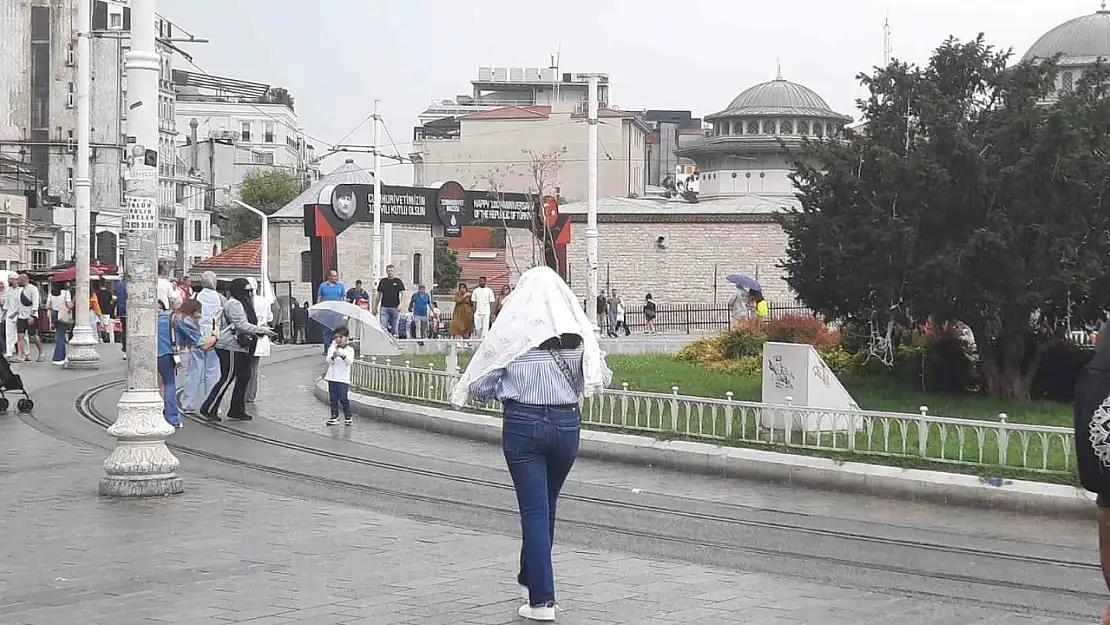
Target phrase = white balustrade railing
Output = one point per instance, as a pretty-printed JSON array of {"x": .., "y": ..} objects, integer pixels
[{"x": 1037, "y": 448}]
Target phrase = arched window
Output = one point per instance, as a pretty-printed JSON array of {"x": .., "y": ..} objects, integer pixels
[
  {"x": 417, "y": 269},
  {"x": 803, "y": 128},
  {"x": 753, "y": 128},
  {"x": 306, "y": 266},
  {"x": 818, "y": 129},
  {"x": 769, "y": 127},
  {"x": 787, "y": 127}
]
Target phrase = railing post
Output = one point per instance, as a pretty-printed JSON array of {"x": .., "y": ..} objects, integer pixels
[
  {"x": 923, "y": 432},
  {"x": 674, "y": 408},
  {"x": 852, "y": 430},
  {"x": 1003, "y": 438},
  {"x": 453, "y": 357},
  {"x": 686, "y": 307},
  {"x": 624, "y": 405},
  {"x": 788, "y": 422},
  {"x": 728, "y": 415}
]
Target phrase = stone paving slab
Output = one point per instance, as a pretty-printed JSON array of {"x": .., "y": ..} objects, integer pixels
[{"x": 222, "y": 553}]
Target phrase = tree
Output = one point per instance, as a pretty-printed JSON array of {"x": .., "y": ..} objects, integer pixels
[
  {"x": 970, "y": 197},
  {"x": 279, "y": 95},
  {"x": 268, "y": 190},
  {"x": 445, "y": 267}
]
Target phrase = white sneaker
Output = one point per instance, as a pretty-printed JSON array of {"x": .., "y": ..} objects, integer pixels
[{"x": 537, "y": 613}]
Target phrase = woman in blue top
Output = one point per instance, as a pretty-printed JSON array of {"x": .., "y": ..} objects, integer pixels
[
  {"x": 539, "y": 358},
  {"x": 177, "y": 329}
]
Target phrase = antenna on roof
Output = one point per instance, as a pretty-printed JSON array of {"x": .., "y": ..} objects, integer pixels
[{"x": 887, "y": 48}]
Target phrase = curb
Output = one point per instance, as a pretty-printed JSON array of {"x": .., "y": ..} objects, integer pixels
[{"x": 738, "y": 462}]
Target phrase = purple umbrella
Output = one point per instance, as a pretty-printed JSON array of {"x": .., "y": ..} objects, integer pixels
[{"x": 741, "y": 280}]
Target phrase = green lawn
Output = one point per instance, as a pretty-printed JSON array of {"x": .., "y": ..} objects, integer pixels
[{"x": 658, "y": 373}]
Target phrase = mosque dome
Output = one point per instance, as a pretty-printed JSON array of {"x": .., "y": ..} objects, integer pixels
[
  {"x": 1085, "y": 37},
  {"x": 778, "y": 97}
]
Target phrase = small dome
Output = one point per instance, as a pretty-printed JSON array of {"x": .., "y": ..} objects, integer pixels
[
  {"x": 779, "y": 97},
  {"x": 1083, "y": 37}
]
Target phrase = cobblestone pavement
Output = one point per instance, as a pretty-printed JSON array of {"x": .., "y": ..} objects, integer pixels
[{"x": 222, "y": 553}]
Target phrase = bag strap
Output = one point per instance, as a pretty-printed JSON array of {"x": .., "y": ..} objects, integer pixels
[{"x": 563, "y": 366}]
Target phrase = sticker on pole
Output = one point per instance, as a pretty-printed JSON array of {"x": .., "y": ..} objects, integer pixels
[{"x": 142, "y": 215}]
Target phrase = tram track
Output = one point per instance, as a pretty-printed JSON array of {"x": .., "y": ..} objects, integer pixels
[{"x": 977, "y": 589}]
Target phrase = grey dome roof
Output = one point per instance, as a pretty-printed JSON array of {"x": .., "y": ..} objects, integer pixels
[
  {"x": 1083, "y": 37},
  {"x": 779, "y": 97}
]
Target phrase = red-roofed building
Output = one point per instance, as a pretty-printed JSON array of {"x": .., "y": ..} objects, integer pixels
[{"x": 241, "y": 261}]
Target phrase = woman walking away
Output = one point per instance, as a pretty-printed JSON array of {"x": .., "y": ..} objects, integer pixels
[
  {"x": 177, "y": 329},
  {"x": 204, "y": 364},
  {"x": 462, "y": 320},
  {"x": 61, "y": 315},
  {"x": 539, "y": 358},
  {"x": 235, "y": 349},
  {"x": 1092, "y": 441}
]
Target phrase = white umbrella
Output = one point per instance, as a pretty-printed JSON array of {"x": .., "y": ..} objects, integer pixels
[{"x": 372, "y": 337}]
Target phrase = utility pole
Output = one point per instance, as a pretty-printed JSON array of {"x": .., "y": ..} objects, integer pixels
[
  {"x": 377, "y": 247},
  {"x": 82, "y": 347},
  {"x": 141, "y": 465},
  {"x": 591, "y": 204}
]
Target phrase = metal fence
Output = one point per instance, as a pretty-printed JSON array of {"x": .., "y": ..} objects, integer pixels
[
  {"x": 688, "y": 318},
  {"x": 971, "y": 442}
]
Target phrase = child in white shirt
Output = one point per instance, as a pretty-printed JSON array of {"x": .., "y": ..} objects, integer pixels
[{"x": 340, "y": 356}]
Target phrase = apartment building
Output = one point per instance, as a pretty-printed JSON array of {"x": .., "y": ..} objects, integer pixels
[
  {"x": 520, "y": 120},
  {"x": 38, "y": 119},
  {"x": 236, "y": 126}
]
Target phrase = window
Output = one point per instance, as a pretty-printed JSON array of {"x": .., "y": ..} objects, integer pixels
[
  {"x": 181, "y": 195},
  {"x": 196, "y": 230},
  {"x": 40, "y": 259},
  {"x": 245, "y": 131},
  {"x": 753, "y": 128},
  {"x": 803, "y": 128},
  {"x": 306, "y": 266},
  {"x": 1068, "y": 81},
  {"x": 262, "y": 158},
  {"x": 71, "y": 97},
  {"x": 268, "y": 136},
  {"x": 818, "y": 129},
  {"x": 769, "y": 127},
  {"x": 69, "y": 180},
  {"x": 417, "y": 269},
  {"x": 787, "y": 127}
]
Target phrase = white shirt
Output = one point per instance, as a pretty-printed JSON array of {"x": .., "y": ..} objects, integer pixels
[
  {"x": 482, "y": 298},
  {"x": 11, "y": 301},
  {"x": 339, "y": 364},
  {"x": 28, "y": 311},
  {"x": 168, "y": 295},
  {"x": 59, "y": 302}
]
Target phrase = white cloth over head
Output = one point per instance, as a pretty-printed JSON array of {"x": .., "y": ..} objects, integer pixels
[{"x": 542, "y": 306}]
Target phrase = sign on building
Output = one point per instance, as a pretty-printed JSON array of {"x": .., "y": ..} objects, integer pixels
[{"x": 797, "y": 375}]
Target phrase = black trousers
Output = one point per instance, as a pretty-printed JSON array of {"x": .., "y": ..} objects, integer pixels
[{"x": 235, "y": 373}]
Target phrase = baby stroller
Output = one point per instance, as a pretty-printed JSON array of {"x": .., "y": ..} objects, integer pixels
[{"x": 11, "y": 382}]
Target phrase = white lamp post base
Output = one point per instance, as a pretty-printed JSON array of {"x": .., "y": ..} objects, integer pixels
[
  {"x": 141, "y": 465},
  {"x": 81, "y": 351}
]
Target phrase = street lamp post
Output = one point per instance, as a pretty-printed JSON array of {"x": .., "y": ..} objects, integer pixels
[
  {"x": 591, "y": 204},
  {"x": 141, "y": 465},
  {"x": 263, "y": 248},
  {"x": 82, "y": 346}
]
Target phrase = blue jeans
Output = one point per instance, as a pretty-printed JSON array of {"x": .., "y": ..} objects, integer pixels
[
  {"x": 60, "y": 330},
  {"x": 167, "y": 370},
  {"x": 540, "y": 445},
  {"x": 327, "y": 335},
  {"x": 202, "y": 376},
  {"x": 337, "y": 396},
  {"x": 390, "y": 318}
]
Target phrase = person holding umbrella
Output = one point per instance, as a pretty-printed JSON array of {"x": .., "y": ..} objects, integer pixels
[{"x": 740, "y": 301}]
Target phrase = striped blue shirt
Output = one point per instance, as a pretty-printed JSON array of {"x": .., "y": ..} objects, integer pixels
[{"x": 535, "y": 378}]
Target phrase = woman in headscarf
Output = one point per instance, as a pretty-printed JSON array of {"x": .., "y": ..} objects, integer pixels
[
  {"x": 1092, "y": 441},
  {"x": 235, "y": 349},
  {"x": 462, "y": 319},
  {"x": 204, "y": 365},
  {"x": 538, "y": 359}
]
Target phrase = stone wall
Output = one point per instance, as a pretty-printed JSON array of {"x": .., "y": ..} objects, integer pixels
[
  {"x": 695, "y": 258},
  {"x": 356, "y": 244}
]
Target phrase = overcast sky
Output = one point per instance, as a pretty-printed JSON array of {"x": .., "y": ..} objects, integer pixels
[{"x": 339, "y": 55}]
